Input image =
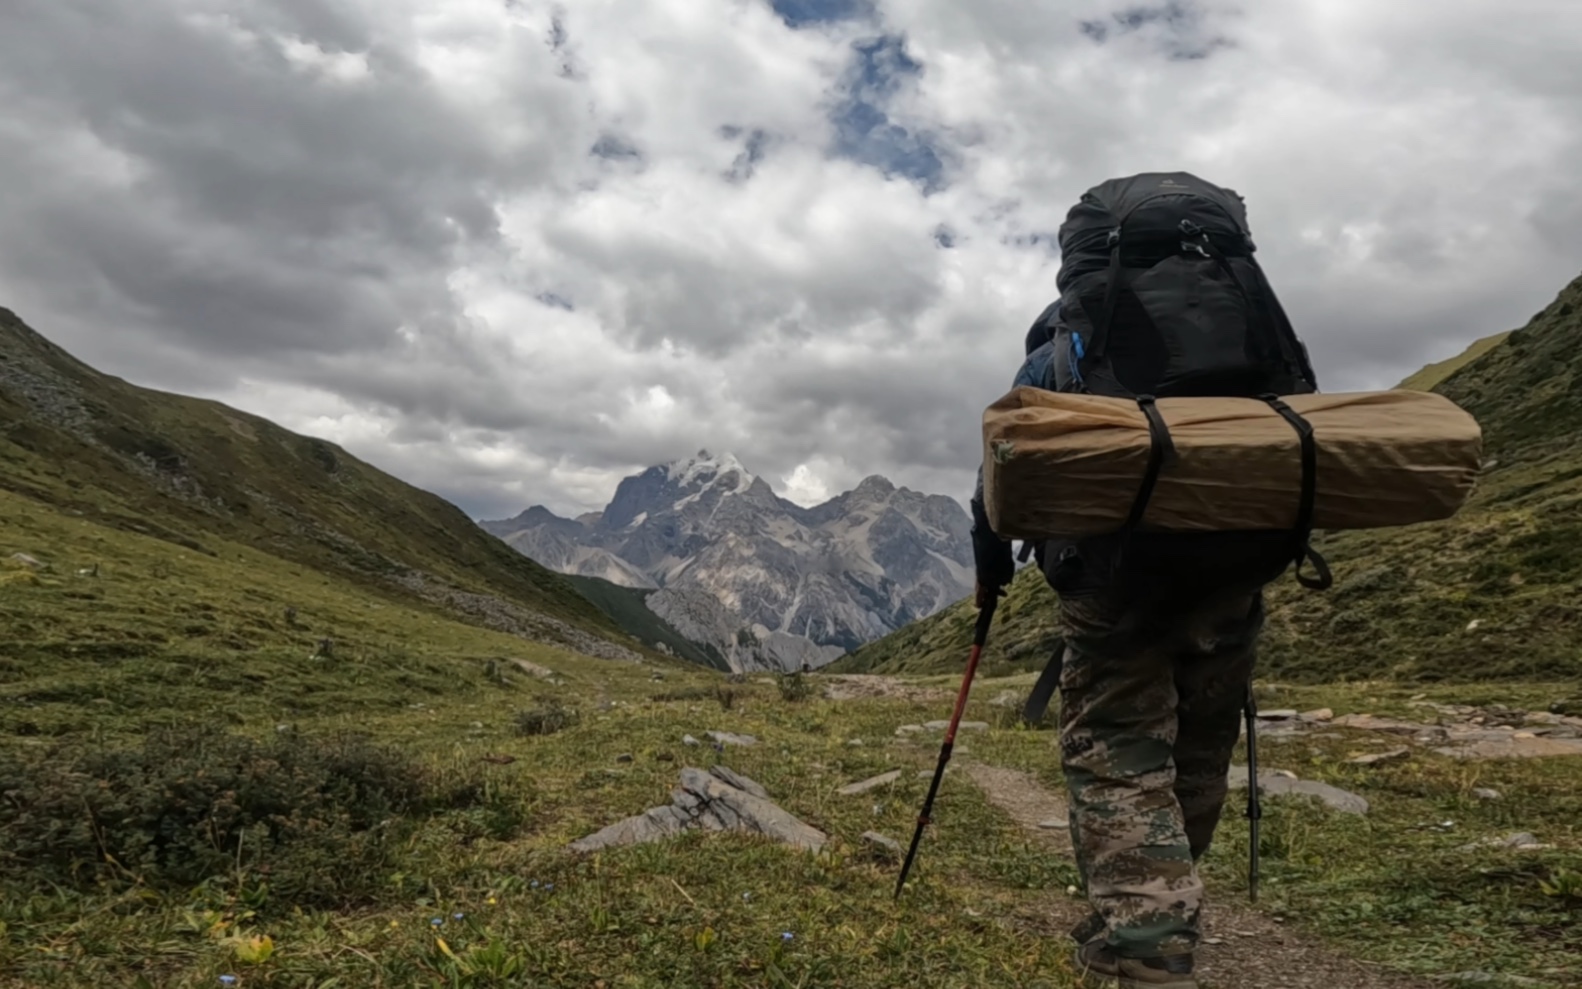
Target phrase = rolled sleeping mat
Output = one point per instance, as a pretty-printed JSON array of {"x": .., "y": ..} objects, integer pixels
[{"x": 1069, "y": 465}]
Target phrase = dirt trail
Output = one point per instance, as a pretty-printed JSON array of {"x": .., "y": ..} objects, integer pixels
[
  {"x": 864, "y": 686},
  {"x": 1247, "y": 949}
]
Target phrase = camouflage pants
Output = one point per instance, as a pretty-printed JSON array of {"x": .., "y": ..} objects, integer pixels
[{"x": 1151, "y": 702}]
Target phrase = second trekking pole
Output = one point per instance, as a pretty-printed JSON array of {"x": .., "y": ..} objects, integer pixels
[
  {"x": 979, "y": 638},
  {"x": 1254, "y": 807}
]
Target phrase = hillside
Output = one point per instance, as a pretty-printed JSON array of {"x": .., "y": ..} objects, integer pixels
[
  {"x": 1434, "y": 374},
  {"x": 627, "y": 607},
  {"x": 197, "y": 474},
  {"x": 1494, "y": 593}
]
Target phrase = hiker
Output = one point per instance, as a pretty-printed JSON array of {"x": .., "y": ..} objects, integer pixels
[{"x": 1159, "y": 295}]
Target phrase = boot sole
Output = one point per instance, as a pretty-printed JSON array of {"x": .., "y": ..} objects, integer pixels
[{"x": 1093, "y": 980}]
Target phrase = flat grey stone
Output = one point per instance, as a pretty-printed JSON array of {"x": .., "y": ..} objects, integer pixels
[
  {"x": 714, "y": 800},
  {"x": 1484, "y": 793},
  {"x": 1375, "y": 758},
  {"x": 732, "y": 778},
  {"x": 689, "y": 740},
  {"x": 1054, "y": 824},
  {"x": 1273, "y": 785},
  {"x": 964, "y": 726},
  {"x": 852, "y": 789},
  {"x": 888, "y": 845},
  {"x": 905, "y": 730},
  {"x": 730, "y": 738},
  {"x": 1282, "y": 714},
  {"x": 1522, "y": 841}
]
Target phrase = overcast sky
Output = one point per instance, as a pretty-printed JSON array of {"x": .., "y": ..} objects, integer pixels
[{"x": 512, "y": 250}]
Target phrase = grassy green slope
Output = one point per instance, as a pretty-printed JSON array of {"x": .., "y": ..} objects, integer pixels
[
  {"x": 627, "y": 607},
  {"x": 1406, "y": 599},
  {"x": 1434, "y": 374},
  {"x": 195, "y": 472}
]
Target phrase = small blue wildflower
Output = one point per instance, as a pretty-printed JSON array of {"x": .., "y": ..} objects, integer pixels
[
  {"x": 438, "y": 921},
  {"x": 746, "y": 897},
  {"x": 786, "y": 936},
  {"x": 534, "y": 884},
  {"x": 227, "y": 980},
  {"x": 457, "y": 916},
  {"x": 549, "y": 886}
]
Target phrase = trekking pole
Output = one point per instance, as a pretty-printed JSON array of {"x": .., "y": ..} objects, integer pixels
[
  {"x": 1254, "y": 806},
  {"x": 980, "y": 636}
]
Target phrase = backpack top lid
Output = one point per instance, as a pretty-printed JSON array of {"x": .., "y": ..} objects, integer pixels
[{"x": 1143, "y": 205}]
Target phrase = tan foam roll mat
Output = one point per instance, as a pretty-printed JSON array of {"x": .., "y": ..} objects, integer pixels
[{"x": 1071, "y": 465}]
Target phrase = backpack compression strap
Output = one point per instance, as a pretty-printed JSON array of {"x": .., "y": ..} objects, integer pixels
[{"x": 1303, "y": 532}]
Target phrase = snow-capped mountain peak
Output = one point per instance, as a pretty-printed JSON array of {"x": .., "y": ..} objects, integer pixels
[{"x": 706, "y": 469}]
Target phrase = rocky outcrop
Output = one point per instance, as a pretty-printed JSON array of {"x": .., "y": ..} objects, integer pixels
[{"x": 714, "y": 800}]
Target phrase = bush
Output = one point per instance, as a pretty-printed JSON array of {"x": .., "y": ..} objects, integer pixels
[
  {"x": 794, "y": 687},
  {"x": 546, "y": 719},
  {"x": 319, "y": 822}
]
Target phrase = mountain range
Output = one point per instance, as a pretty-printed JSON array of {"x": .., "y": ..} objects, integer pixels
[{"x": 764, "y": 582}]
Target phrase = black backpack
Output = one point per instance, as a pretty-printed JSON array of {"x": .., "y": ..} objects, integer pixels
[{"x": 1160, "y": 296}]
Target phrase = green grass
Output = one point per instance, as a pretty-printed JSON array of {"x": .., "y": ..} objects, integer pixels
[{"x": 165, "y": 638}]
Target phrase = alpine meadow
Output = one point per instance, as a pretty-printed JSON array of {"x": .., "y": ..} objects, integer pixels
[
  {"x": 248, "y": 734},
  {"x": 782, "y": 494}
]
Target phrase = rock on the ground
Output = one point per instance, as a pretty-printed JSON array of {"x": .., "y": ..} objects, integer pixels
[
  {"x": 1511, "y": 745},
  {"x": 1321, "y": 715},
  {"x": 1367, "y": 722},
  {"x": 1377, "y": 757},
  {"x": 533, "y": 669},
  {"x": 730, "y": 738},
  {"x": 22, "y": 559},
  {"x": 624, "y": 757},
  {"x": 1273, "y": 784},
  {"x": 1484, "y": 793},
  {"x": 1054, "y": 824},
  {"x": 713, "y": 800},
  {"x": 1007, "y": 699},
  {"x": 1279, "y": 715},
  {"x": 906, "y": 730},
  {"x": 1522, "y": 841},
  {"x": 964, "y": 726},
  {"x": 883, "y": 843},
  {"x": 689, "y": 740},
  {"x": 853, "y": 789}
]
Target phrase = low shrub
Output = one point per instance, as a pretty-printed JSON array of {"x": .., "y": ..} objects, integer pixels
[
  {"x": 317, "y": 821},
  {"x": 545, "y": 719}
]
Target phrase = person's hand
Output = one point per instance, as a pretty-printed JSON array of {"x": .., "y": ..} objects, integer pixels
[{"x": 982, "y": 593}]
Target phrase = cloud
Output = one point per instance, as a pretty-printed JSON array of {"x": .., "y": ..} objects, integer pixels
[{"x": 514, "y": 250}]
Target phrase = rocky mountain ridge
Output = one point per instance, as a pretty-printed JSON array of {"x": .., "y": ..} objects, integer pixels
[{"x": 768, "y": 583}]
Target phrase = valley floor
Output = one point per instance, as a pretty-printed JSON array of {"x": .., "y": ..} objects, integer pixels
[
  {"x": 413, "y": 791},
  {"x": 1347, "y": 901}
]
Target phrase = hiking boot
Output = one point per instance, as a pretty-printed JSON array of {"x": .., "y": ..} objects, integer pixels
[
  {"x": 1101, "y": 968},
  {"x": 1093, "y": 926}
]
